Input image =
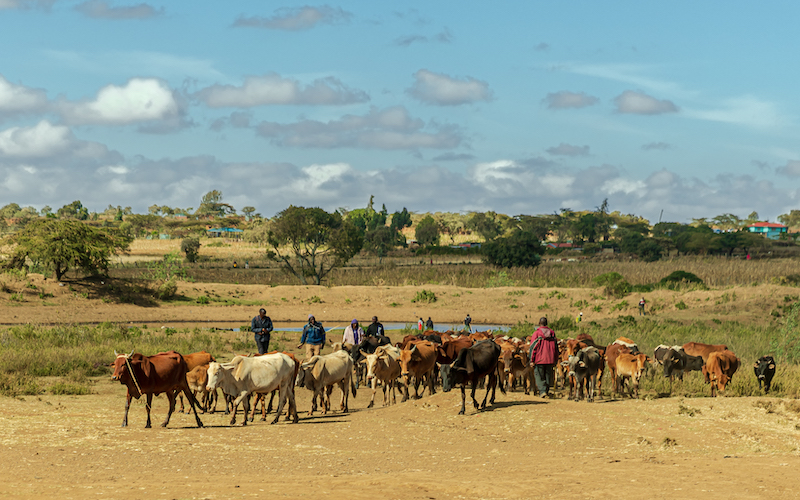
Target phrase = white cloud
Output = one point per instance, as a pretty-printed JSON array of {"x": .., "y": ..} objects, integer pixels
[
  {"x": 436, "y": 88},
  {"x": 99, "y": 9},
  {"x": 626, "y": 186},
  {"x": 791, "y": 169},
  {"x": 26, "y": 4},
  {"x": 273, "y": 89},
  {"x": 638, "y": 103},
  {"x": 442, "y": 37},
  {"x": 296, "y": 19},
  {"x": 564, "y": 149},
  {"x": 41, "y": 140},
  {"x": 18, "y": 98},
  {"x": 140, "y": 100},
  {"x": 745, "y": 110},
  {"x": 566, "y": 100},
  {"x": 389, "y": 128}
]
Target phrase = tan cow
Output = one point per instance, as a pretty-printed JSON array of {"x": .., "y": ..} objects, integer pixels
[
  {"x": 418, "y": 360},
  {"x": 383, "y": 366},
  {"x": 513, "y": 363},
  {"x": 320, "y": 373},
  {"x": 194, "y": 360},
  {"x": 719, "y": 369},
  {"x": 630, "y": 367},
  {"x": 198, "y": 379}
]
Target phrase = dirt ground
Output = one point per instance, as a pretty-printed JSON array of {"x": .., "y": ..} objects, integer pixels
[
  {"x": 522, "y": 447},
  {"x": 81, "y": 303}
]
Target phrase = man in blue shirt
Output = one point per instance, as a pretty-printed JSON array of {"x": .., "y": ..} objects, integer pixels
[
  {"x": 313, "y": 337},
  {"x": 261, "y": 326}
]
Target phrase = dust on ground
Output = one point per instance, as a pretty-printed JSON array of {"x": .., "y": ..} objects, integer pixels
[{"x": 521, "y": 447}]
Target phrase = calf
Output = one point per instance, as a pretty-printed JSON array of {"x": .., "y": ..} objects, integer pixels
[
  {"x": 612, "y": 353},
  {"x": 368, "y": 346},
  {"x": 418, "y": 360},
  {"x": 194, "y": 360},
  {"x": 631, "y": 367},
  {"x": 322, "y": 372},
  {"x": 383, "y": 366},
  {"x": 197, "y": 380},
  {"x": 472, "y": 365},
  {"x": 584, "y": 367},
  {"x": 719, "y": 369},
  {"x": 764, "y": 369}
]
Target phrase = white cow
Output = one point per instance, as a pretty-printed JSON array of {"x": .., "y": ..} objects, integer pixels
[
  {"x": 322, "y": 372},
  {"x": 244, "y": 376},
  {"x": 383, "y": 366}
]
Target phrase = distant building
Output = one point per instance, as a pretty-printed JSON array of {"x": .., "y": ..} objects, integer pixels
[
  {"x": 227, "y": 232},
  {"x": 771, "y": 230}
]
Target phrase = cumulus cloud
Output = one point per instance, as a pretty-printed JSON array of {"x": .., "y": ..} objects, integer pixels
[
  {"x": 26, "y": 4},
  {"x": 99, "y": 9},
  {"x": 639, "y": 103},
  {"x": 566, "y": 100},
  {"x": 140, "y": 100},
  {"x": 651, "y": 146},
  {"x": 296, "y": 19},
  {"x": 442, "y": 37},
  {"x": 564, "y": 149},
  {"x": 47, "y": 142},
  {"x": 389, "y": 128},
  {"x": 271, "y": 89},
  {"x": 20, "y": 99},
  {"x": 442, "y": 90},
  {"x": 791, "y": 169}
]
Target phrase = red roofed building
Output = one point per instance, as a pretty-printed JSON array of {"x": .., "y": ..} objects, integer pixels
[{"x": 770, "y": 230}]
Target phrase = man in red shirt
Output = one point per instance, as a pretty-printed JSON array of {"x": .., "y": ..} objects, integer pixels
[{"x": 544, "y": 355}]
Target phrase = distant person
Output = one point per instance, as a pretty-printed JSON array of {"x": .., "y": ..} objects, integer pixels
[
  {"x": 353, "y": 334},
  {"x": 429, "y": 324},
  {"x": 468, "y": 324},
  {"x": 420, "y": 325},
  {"x": 748, "y": 256},
  {"x": 544, "y": 356},
  {"x": 313, "y": 337},
  {"x": 578, "y": 319},
  {"x": 246, "y": 265},
  {"x": 261, "y": 326},
  {"x": 375, "y": 329},
  {"x": 235, "y": 265},
  {"x": 642, "y": 303}
]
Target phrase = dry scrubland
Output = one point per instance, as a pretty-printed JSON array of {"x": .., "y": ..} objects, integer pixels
[{"x": 60, "y": 416}]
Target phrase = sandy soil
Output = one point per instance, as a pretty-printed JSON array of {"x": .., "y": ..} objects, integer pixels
[
  {"x": 79, "y": 303},
  {"x": 522, "y": 447}
]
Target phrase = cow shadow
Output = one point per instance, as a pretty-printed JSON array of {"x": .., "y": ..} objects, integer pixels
[
  {"x": 508, "y": 404},
  {"x": 324, "y": 419}
]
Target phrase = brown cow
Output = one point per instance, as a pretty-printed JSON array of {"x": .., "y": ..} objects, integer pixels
[
  {"x": 513, "y": 363},
  {"x": 165, "y": 372},
  {"x": 448, "y": 351},
  {"x": 197, "y": 380},
  {"x": 194, "y": 360},
  {"x": 612, "y": 352},
  {"x": 573, "y": 347},
  {"x": 418, "y": 360},
  {"x": 702, "y": 350},
  {"x": 719, "y": 369},
  {"x": 630, "y": 367}
]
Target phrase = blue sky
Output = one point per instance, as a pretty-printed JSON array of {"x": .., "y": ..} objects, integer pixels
[{"x": 517, "y": 107}]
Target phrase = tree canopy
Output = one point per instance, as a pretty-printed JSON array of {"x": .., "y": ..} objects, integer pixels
[
  {"x": 427, "y": 231},
  {"x": 518, "y": 249}
]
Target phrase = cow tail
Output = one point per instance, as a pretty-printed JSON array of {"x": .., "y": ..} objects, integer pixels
[
  {"x": 500, "y": 380},
  {"x": 353, "y": 386}
]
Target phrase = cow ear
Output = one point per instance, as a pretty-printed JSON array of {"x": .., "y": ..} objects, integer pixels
[
  {"x": 317, "y": 370},
  {"x": 755, "y": 365},
  {"x": 145, "y": 364},
  {"x": 771, "y": 367},
  {"x": 582, "y": 364},
  {"x": 237, "y": 367}
]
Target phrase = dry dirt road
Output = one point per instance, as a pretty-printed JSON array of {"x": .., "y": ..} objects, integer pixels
[{"x": 522, "y": 447}]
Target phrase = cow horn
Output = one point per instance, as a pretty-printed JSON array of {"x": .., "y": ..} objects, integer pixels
[
  {"x": 115, "y": 353},
  {"x": 131, "y": 354}
]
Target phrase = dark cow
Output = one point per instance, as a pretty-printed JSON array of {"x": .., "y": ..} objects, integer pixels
[
  {"x": 764, "y": 369},
  {"x": 472, "y": 364},
  {"x": 702, "y": 350},
  {"x": 677, "y": 362},
  {"x": 584, "y": 367},
  {"x": 661, "y": 350},
  {"x": 165, "y": 372}
]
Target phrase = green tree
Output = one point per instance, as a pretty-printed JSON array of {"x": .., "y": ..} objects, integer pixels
[
  {"x": 427, "y": 232},
  {"x": 248, "y": 212},
  {"x": 401, "y": 219},
  {"x": 74, "y": 210},
  {"x": 649, "y": 250},
  {"x": 540, "y": 226},
  {"x": 212, "y": 206},
  {"x": 317, "y": 242},
  {"x": 382, "y": 240},
  {"x": 191, "y": 247},
  {"x": 485, "y": 224},
  {"x": 61, "y": 244},
  {"x": 792, "y": 219},
  {"x": 9, "y": 210},
  {"x": 518, "y": 249}
]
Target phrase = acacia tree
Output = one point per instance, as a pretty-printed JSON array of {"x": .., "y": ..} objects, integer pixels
[
  {"x": 317, "y": 242},
  {"x": 61, "y": 244},
  {"x": 427, "y": 231}
]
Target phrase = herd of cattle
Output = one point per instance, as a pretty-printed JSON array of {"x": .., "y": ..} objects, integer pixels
[{"x": 429, "y": 359}]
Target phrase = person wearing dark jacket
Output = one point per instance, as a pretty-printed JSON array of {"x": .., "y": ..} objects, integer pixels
[
  {"x": 261, "y": 326},
  {"x": 375, "y": 329},
  {"x": 313, "y": 337},
  {"x": 544, "y": 355},
  {"x": 429, "y": 324}
]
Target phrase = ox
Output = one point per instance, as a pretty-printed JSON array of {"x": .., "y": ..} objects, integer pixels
[
  {"x": 677, "y": 362},
  {"x": 514, "y": 363},
  {"x": 702, "y": 350},
  {"x": 194, "y": 360},
  {"x": 631, "y": 367},
  {"x": 383, "y": 366},
  {"x": 165, "y": 372},
  {"x": 322, "y": 372},
  {"x": 472, "y": 364},
  {"x": 576, "y": 345},
  {"x": 584, "y": 367},
  {"x": 262, "y": 374},
  {"x": 764, "y": 369},
  {"x": 719, "y": 369},
  {"x": 418, "y": 360},
  {"x": 661, "y": 350},
  {"x": 197, "y": 380},
  {"x": 448, "y": 352},
  {"x": 368, "y": 345}
]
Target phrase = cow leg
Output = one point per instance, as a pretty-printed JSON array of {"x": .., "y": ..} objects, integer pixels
[
  {"x": 259, "y": 397},
  {"x": 128, "y": 398},
  {"x": 472, "y": 393},
  {"x": 492, "y": 383},
  {"x": 416, "y": 388},
  {"x": 344, "y": 386},
  {"x": 271, "y": 398},
  {"x": 375, "y": 388},
  {"x": 592, "y": 382},
  {"x": 148, "y": 405},
  {"x": 464, "y": 398},
  {"x": 171, "y": 397},
  {"x": 181, "y": 398}
]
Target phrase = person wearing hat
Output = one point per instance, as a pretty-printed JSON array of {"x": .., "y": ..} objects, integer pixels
[
  {"x": 578, "y": 319},
  {"x": 261, "y": 326},
  {"x": 313, "y": 337},
  {"x": 353, "y": 334},
  {"x": 544, "y": 356},
  {"x": 375, "y": 329}
]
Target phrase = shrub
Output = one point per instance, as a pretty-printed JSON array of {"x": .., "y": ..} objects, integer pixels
[
  {"x": 564, "y": 323},
  {"x": 202, "y": 300},
  {"x": 167, "y": 289},
  {"x": 614, "y": 284},
  {"x": 679, "y": 277},
  {"x": 69, "y": 389},
  {"x": 498, "y": 280},
  {"x": 425, "y": 296},
  {"x": 191, "y": 247},
  {"x": 519, "y": 249},
  {"x": 681, "y": 306}
]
